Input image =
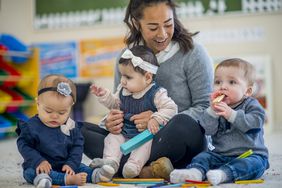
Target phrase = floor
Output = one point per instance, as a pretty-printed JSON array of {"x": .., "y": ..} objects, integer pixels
[{"x": 11, "y": 171}]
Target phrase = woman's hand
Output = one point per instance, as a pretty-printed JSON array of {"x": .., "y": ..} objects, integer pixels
[
  {"x": 114, "y": 121},
  {"x": 68, "y": 170},
  {"x": 43, "y": 167},
  {"x": 141, "y": 120}
]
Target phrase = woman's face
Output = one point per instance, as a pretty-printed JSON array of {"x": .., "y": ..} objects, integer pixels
[{"x": 157, "y": 26}]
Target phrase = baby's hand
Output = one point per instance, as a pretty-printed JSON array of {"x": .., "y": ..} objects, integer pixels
[
  {"x": 216, "y": 97},
  {"x": 222, "y": 109},
  {"x": 68, "y": 170},
  {"x": 153, "y": 126},
  {"x": 98, "y": 91},
  {"x": 43, "y": 167}
]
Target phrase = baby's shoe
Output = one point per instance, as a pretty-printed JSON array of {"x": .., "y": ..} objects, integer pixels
[
  {"x": 160, "y": 168},
  {"x": 103, "y": 174},
  {"x": 180, "y": 175},
  {"x": 216, "y": 177},
  {"x": 98, "y": 162},
  {"x": 130, "y": 170},
  {"x": 42, "y": 181}
]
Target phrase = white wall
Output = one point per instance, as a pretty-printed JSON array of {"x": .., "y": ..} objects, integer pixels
[{"x": 16, "y": 18}]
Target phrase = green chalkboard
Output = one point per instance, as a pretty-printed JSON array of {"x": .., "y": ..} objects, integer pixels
[
  {"x": 232, "y": 5},
  {"x": 58, "y": 6}
]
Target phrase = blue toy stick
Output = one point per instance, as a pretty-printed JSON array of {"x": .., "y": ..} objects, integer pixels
[{"x": 136, "y": 141}]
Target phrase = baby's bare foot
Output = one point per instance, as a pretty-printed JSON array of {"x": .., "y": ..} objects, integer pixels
[{"x": 77, "y": 179}]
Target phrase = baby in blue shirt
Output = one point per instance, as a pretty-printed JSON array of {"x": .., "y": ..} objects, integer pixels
[
  {"x": 235, "y": 124},
  {"x": 51, "y": 142}
]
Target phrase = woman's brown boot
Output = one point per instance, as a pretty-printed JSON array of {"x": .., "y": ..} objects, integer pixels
[{"x": 160, "y": 168}]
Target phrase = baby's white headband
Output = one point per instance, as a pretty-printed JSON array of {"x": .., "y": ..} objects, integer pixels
[{"x": 138, "y": 61}]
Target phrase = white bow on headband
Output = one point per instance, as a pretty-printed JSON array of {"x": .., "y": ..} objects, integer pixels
[{"x": 138, "y": 61}]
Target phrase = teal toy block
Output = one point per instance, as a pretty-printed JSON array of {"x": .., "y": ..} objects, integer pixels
[{"x": 136, "y": 141}]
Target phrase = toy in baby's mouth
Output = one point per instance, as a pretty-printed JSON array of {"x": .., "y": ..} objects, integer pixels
[{"x": 218, "y": 99}]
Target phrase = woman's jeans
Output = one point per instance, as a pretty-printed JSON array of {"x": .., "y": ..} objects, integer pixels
[
  {"x": 251, "y": 167},
  {"x": 58, "y": 178}
]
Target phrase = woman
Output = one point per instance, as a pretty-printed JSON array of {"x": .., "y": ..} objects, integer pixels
[{"x": 185, "y": 71}]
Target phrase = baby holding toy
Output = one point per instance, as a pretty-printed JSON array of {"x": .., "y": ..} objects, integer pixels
[
  {"x": 235, "y": 122},
  {"x": 136, "y": 93}
]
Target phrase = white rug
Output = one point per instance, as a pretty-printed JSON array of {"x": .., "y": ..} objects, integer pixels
[{"x": 11, "y": 170}]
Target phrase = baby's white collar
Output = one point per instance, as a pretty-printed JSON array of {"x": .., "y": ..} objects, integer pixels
[
  {"x": 70, "y": 124},
  {"x": 138, "y": 95}
]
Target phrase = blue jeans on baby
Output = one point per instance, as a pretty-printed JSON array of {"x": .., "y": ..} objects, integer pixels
[
  {"x": 251, "y": 167},
  {"x": 58, "y": 178}
]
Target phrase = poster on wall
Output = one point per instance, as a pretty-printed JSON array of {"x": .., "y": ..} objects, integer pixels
[
  {"x": 58, "y": 58},
  {"x": 263, "y": 85},
  {"x": 98, "y": 57}
]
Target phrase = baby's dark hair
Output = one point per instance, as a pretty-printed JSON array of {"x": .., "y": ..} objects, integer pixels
[
  {"x": 52, "y": 80},
  {"x": 248, "y": 68},
  {"x": 145, "y": 53}
]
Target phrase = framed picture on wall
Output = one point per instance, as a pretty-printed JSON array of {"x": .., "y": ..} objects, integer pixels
[
  {"x": 98, "y": 57},
  {"x": 58, "y": 58}
]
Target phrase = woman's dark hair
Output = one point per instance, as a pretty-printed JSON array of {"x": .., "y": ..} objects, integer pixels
[
  {"x": 145, "y": 53},
  {"x": 134, "y": 12}
]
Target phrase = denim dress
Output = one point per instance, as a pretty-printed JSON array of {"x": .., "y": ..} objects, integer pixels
[{"x": 131, "y": 106}]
